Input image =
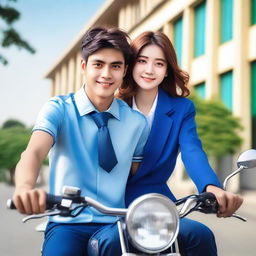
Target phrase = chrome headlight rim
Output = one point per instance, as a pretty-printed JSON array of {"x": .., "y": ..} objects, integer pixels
[{"x": 169, "y": 204}]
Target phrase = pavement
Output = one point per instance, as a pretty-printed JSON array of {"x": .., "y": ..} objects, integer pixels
[
  {"x": 16, "y": 238},
  {"x": 233, "y": 237}
]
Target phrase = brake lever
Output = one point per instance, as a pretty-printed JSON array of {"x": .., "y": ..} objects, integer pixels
[
  {"x": 64, "y": 212},
  {"x": 207, "y": 203},
  {"x": 41, "y": 215},
  {"x": 235, "y": 215},
  {"x": 189, "y": 204}
]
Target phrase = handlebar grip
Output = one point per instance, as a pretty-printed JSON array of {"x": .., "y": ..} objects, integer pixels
[
  {"x": 209, "y": 203},
  {"x": 10, "y": 205},
  {"x": 51, "y": 200}
]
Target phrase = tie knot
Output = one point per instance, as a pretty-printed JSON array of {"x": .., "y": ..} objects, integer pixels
[{"x": 101, "y": 118}]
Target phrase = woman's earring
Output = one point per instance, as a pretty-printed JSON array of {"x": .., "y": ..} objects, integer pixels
[{"x": 166, "y": 75}]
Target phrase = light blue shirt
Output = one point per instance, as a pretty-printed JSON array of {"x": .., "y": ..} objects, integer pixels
[{"x": 74, "y": 155}]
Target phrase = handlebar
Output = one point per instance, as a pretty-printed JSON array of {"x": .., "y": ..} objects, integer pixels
[
  {"x": 205, "y": 203},
  {"x": 73, "y": 205},
  {"x": 70, "y": 206}
]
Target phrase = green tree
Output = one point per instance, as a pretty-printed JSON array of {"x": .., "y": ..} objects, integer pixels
[
  {"x": 8, "y": 35},
  {"x": 217, "y": 127},
  {"x": 13, "y": 123},
  {"x": 13, "y": 142}
]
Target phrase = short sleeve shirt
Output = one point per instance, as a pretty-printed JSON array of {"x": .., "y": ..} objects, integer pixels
[{"x": 74, "y": 156}]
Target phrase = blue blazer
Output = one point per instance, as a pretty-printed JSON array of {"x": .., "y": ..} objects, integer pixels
[{"x": 173, "y": 131}]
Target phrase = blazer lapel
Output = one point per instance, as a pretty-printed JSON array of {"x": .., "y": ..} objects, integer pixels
[{"x": 159, "y": 133}]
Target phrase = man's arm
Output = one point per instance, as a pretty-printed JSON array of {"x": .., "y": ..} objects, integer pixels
[
  {"x": 135, "y": 166},
  {"x": 26, "y": 198}
]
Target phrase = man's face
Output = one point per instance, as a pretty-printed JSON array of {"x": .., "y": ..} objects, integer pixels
[{"x": 104, "y": 73}]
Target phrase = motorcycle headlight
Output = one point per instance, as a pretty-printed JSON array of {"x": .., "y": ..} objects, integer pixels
[{"x": 152, "y": 223}]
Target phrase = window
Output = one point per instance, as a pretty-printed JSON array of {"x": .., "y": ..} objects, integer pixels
[
  {"x": 177, "y": 38},
  {"x": 199, "y": 30},
  {"x": 226, "y": 83},
  {"x": 253, "y": 12},
  {"x": 200, "y": 90},
  {"x": 226, "y": 20},
  {"x": 253, "y": 102}
]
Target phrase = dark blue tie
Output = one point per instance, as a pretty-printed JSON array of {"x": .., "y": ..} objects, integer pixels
[{"x": 107, "y": 156}]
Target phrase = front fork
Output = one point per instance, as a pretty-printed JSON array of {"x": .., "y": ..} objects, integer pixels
[
  {"x": 120, "y": 225},
  {"x": 124, "y": 243}
]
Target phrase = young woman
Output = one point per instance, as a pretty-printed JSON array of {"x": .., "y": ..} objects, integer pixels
[{"x": 158, "y": 89}]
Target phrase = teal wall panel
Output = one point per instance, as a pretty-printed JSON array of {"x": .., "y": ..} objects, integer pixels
[
  {"x": 200, "y": 90},
  {"x": 253, "y": 12},
  {"x": 226, "y": 85},
  {"x": 253, "y": 102},
  {"x": 199, "y": 29},
  {"x": 253, "y": 88},
  {"x": 178, "y": 29},
  {"x": 226, "y": 20}
]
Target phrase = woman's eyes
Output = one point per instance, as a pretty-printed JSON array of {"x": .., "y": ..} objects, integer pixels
[
  {"x": 158, "y": 64},
  {"x": 141, "y": 61}
]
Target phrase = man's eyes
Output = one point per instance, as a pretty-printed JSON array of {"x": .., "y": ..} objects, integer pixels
[
  {"x": 97, "y": 65},
  {"x": 100, "y": 65},
  {"x": 116, "y": 66}
]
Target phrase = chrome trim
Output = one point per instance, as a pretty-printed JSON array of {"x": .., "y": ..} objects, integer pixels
[
  {"x": 188, "y": 205},
  {"x": 105, "y": 209},
  {"x": 121, "y": 237},
  {"x": 231, "y": 175}
]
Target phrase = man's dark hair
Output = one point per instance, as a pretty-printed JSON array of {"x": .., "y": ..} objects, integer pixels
[{"x": 99, "y": 37}]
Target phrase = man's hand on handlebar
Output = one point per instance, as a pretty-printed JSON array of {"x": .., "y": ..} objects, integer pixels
[{"x": 30, "y": 201}]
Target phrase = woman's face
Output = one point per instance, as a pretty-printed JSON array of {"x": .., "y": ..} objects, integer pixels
[{"x": 150, "y": 68}]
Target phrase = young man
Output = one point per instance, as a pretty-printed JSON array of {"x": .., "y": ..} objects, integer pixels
[{"x": 67, "y": 126}]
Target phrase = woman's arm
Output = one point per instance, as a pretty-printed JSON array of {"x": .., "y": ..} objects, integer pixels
[
  {"x": 192, "y": 153},
  {"x": 199, "y": 169}
]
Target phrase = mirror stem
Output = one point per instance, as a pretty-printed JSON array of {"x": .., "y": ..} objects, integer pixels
[{"x": 231, "y": 175}]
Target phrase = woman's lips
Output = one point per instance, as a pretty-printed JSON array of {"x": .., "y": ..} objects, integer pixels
[{"x": 148, "y": 79}]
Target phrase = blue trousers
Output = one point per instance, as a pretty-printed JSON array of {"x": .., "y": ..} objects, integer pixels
[
  {"x": 73, "y": 239},
  {"x": 195, "y": 239}
]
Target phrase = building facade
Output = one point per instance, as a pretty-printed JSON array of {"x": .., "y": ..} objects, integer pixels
[{"x": 215, "y": 41}]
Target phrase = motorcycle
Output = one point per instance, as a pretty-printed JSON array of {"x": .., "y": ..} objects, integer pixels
[{"x": 151, "y": 222}]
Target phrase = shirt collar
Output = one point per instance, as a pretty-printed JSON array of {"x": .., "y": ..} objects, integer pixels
[
  {"x": 151, "y": 114},
  {"x": 85, "y": 106},
  {"x": 152, "y": 110},
  {"x": 134, "y": 105}
]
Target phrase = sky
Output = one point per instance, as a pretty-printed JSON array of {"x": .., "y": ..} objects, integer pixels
[{"x": 50, "y": 27}]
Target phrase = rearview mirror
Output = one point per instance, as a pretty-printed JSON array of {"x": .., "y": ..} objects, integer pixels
[{"x": 247, "y": 159}]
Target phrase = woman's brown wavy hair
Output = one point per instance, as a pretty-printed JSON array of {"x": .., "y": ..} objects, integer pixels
[{"x": 175, "y": 83}]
